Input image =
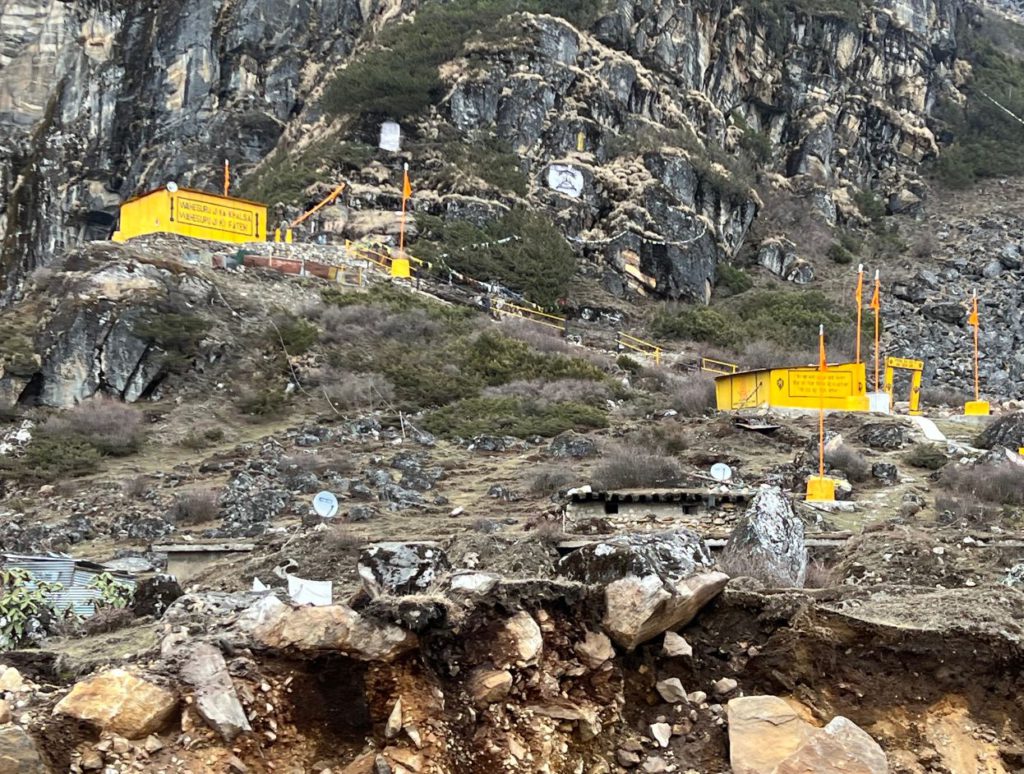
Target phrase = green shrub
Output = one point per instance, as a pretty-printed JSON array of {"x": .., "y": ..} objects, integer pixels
[
  {"x": 51, "y": 458},
  {"x": 177, "y": 334},
  {"x": 870, "y": 204},
  {"x": 26, "y": 606},
  {"x": 499, "y": 360},
  {"x": 732, "y": 279},
  {"x": 839, "y": 254},
  {"x": 626, "y": 363},
  {"x": 287, "y": 173},
  {"x": 696, "y": 323},
  {"x": 511, "y": 416},
  {"x": 926, "y": 457},
  {"x": 263, "y": 401},
  {"x": 296, "y": 335},
  {"x": 522, "y": 250}
]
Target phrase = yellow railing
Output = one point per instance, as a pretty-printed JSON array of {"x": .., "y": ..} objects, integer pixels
[
  {"x": 639, "y": 345},
  {"x": 717, "y": 366},
  {"x": 533, "y": 315},
  {"x": 382, "y": 255}
]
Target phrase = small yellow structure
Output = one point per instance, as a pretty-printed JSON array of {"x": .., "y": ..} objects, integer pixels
[
  {"x": 844, "y": 388},
  {"x": 977, "y": 408},
  {"x": 191, "y": 213},
  {"x": 916, "y": 367},
  {"x": 821, "y": 489}
]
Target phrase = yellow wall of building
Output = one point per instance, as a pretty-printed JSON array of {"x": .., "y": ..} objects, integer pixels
[
  {"x": 844, "y": 388},
  {"x": 193, "y": 214}
]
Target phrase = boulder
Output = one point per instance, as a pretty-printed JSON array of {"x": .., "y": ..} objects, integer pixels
[
  {"x": 780, "y": 258},
  {"x": 18, "y": 753},
  {"x": 518, "y": 641},
  {"x": 330, "y": 628},
  {"x": 670, "y": 556},
  {"x": 661, "y": 733},
  {"x": 639, "y": 609},
  {"x": 769, "y": 540},
  {"x": 768, "y": 736},
  {"x": 488, "y": 686},
  {"x": 886, "y": 436},
  {"x": 595, "y": 649},
  {"x": 1006, "y": 431},
  {"x": 215, "y": 698},
  {"x": 401, "y": 568},
  {"x": 572, "y": 445},
  {"x": 885, "y": 472},
  {"x": 120, "y": 703}
]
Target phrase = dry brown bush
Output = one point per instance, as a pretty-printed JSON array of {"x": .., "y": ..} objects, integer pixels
[
  {"x": 940, "y": 395},
  {"x": 851, "y": 462},
  {"x": 546, "y": 392},
  {"x": 1000, "y": 483},
  {"x": 768, "y": 354},
  {"x": 357, "y": 392},
  {"x": 137, "y": 486},
  {"x": 339, "y": 538},
  {"x": 746, "y": 564},
  {"x": 551, "y": 481},
  {"x": 635, "y": 468},
  {"x": 195, "y": 507},
  {"x": 104, "y": 423}
]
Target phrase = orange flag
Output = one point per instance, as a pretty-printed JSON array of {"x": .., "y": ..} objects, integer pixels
[
  {"x": 973, "y": 318},
  {"x": 406, "y": 185},
  {"x": 876, "y": 297},
  {"x": 859, "y": 293},
  {"x": 227, "y": 177}
]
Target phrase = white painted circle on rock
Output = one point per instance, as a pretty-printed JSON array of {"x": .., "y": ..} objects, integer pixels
[
  {"x": 721, "y": 472},
  {"x": 326, "y": 505}
]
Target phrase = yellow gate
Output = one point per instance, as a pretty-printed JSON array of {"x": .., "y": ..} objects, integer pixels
[{"x": 905, "y": 364}]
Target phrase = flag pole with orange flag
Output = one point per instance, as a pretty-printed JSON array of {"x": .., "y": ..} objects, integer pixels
[
  {"x": 859, "y": 296},
  {"x": 400, "y": 265},
  {"x": 819, "y": 488},
  {"x": 976, "y": 407},
  {"x": 227, "y": 176},
  {"x": 876, "y": 304}
]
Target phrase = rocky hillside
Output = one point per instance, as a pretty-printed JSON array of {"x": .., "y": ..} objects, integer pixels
[{"x": 671, "y": 116}]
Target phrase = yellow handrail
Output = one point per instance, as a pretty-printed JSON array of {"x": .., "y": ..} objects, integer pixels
[
  {"x": 709, "y": 364},
  {"x": 639, "y": 345},
  {"x": 550, "y": 320}
]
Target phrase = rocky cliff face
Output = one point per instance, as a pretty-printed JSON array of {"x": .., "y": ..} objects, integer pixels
[{"x": 656, "y": 108}]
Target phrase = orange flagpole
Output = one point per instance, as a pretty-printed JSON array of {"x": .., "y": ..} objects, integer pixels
[
  {"x": 227, "y": 176},
  {"x": 860, "y": 306},
  {"x": 406, "y": 193},
  {"x": 876, "y": 304},
  {"x": 976, "y": 323},
  {"x": 821, "y": 401}
]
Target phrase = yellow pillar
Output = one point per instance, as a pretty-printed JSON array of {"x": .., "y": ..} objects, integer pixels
[
  {"x": 277, "y": 235},
  {"x": 400, "y": 267},
  {"x": 288, "y": 236}
]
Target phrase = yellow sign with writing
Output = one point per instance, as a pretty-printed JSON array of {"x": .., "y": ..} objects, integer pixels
[
  {"x": 811, "y": 384},
  {"x": 905, "y": 363},
  {"x": 193, "y": 213},
  {"x": 213, "y": 215}
]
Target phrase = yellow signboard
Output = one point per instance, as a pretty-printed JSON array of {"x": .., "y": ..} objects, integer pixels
[
  {"x": 905, "y": 363},
  {"x": 213, "y": 215},
  {"x": 193, "y": 214},
  {"x": 841, "y": 387}
]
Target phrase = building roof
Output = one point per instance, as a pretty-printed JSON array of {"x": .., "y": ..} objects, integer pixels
[
  {"x": 182, "y": 189},
  {"x": 669, "y": 495}
]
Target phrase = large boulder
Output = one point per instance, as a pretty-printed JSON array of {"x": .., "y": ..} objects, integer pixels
[
  {"x": 768, "y": 541},
  {"x": 768, "y": 736},
  {"x": 572, "y": 445},
  {"x": 215, "y": 698},
  {"x": 401, "y": 568},
  {"x": 155, "y": 594},
  {"x": 1007, "y": 431},
  {"x": 518, "y": 641},
  {"x": 18, "y": 753},
  {"x": 331, "y": 628},
  {"x": 886, "y": 436},
  {"x": 639, "y": 609},
  {"x": 670, "y": 556},
  {"x": 120, "y": 703}
]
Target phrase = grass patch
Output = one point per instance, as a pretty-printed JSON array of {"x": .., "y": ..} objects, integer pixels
[
  {"x": 925, "y": 457},
  {"x": 789, "y": 318},
  {"x": 512, "y": 416},
  {"x": 999, "y": 483},
  {"x": 52, "y": 458}
]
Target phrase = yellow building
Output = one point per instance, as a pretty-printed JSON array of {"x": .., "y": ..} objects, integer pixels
[
  {"x": 184, "y": 211},
  {"x": 844, "y": 388}
]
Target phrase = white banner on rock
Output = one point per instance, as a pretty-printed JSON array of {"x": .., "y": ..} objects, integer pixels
[{"x": 566, "y": 180}]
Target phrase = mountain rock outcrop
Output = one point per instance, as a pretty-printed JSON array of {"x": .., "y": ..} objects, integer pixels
[{"x": 640, "y": 135}]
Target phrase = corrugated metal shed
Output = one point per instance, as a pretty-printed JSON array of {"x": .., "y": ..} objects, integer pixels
[{"x": 73, "y": 574}]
